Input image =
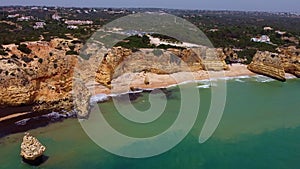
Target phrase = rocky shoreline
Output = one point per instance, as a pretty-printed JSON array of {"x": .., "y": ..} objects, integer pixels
[
  {"x": 41, "y": 82},
  {"x": 31, "y": 121}
]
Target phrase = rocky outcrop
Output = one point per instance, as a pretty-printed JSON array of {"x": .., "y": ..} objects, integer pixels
[
  {"x": 275, "y": 65},
  {"x": 81, "y": 99},
  {"x": 268, "y": 64},
  {"x": 42, "y": 78},
  {"x": 31, "y": 148},
  {"x": 146, "y": 80},
  {"x": 290, "y": 60},
  {"x": 120, "y": 60},
  {"x": 110, "y": 62},
  {"x": 214, "y": 60}
]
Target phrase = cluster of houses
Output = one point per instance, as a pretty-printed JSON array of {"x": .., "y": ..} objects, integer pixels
[
  {"x": 39, "y": 25},
  {"x": 56, "y": 17},
  {"x": 72, "y": 24},
  {"x": 72, "y": 27},
  {"x": 78, "y": 22},
  {"x": 25, "y": 18},
  {"x": 262, "y": 39},
  {"x": 266, "y": 38}
]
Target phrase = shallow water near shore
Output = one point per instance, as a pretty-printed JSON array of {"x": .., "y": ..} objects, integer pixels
[{"x": 260, "y": 128}]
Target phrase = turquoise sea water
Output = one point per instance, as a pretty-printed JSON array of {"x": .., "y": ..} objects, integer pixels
[{"x": 260, "y": 128}]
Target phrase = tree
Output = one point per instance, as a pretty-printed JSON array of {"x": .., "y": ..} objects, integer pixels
[{"x": 23, "y": 48}]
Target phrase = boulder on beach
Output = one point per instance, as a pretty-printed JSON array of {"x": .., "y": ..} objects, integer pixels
[
  {"x": 31, "y": 148},
  {"x": 146, "y": 80}
]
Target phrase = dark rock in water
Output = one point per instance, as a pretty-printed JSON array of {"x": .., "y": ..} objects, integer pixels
[
  {"x": 37, "y": 162},
  {"x": 130, "y": 96},
  {"x": 167, "y": 92},
  {"x": 31, "y": 148}
]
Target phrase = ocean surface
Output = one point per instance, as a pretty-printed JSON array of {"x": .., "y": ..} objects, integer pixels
[{"x": 260, "y": 129}]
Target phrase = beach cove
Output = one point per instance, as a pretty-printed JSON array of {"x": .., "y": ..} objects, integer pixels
[{"x": 258, "y": 130}]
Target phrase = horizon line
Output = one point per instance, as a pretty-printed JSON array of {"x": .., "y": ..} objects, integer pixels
[{"x": 168, "y": 8}]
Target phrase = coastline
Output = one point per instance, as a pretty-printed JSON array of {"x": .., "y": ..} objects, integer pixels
[
  {"x": 103, "y": 94},
  {"x": 23, "y": 121}
]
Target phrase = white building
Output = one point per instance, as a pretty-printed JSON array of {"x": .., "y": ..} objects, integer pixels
[
  {"x": 72, "y": 27},
  {"x": 268, "y": 28},
  {"x": 25, "y": 18},
  {"x": 280, "y": 33},
  {"x": 13, "y": 16},
  {"x": 56, "y": 17},
  {"x": 39, "y": 25},
  {"x": 213, "y": 30},
  {"x": 262, "y": 39},
  {"x": 78, "y": 22}
]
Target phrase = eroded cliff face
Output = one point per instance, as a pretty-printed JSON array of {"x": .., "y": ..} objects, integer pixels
[
  {"x": 290, "y": 60},
  {"x": 268, "y": 64},
  {"x": 120, "y": 60},
  {"x": 275, "y": 65},
  {"x": 42, "y": 78}
]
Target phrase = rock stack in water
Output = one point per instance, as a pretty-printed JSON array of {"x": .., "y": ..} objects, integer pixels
[{"x": 31, "y": 148}]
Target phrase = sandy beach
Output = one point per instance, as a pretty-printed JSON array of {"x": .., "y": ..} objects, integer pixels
[{"x": 136, "y": 80}]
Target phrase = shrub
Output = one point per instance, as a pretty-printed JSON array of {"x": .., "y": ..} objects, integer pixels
[
  {"x": 163, "y": 46},
  {"x": 71, "y": 52},
  {"x": 27, "y": 59},
  {"x": 2, "y": 52},
  {"x": 248, "y": 54},
  {"x": 76, "y": 41},
  {"x": 40, "y": 60},
  {"x": 14, "y": 56},
  {"x": 23, "y": 48},
  {"x": 72, "y": 47}
]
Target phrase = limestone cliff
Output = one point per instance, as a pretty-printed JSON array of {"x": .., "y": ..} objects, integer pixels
[
  {"x": 290, "y": 60},
  {"x": 267, "y": 64},
  {"x": 275, "y": 65},
  {"x": 42, "y": 78},
  {"x": 120, "y": 60}
]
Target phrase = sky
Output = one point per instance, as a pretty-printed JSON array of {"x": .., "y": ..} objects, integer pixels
[{"x": 241, "y": 5}]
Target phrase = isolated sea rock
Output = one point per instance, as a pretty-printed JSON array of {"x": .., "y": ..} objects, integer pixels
[
  {"x": 268, "y": 64},
  {"x": 31, "y": 148}
]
